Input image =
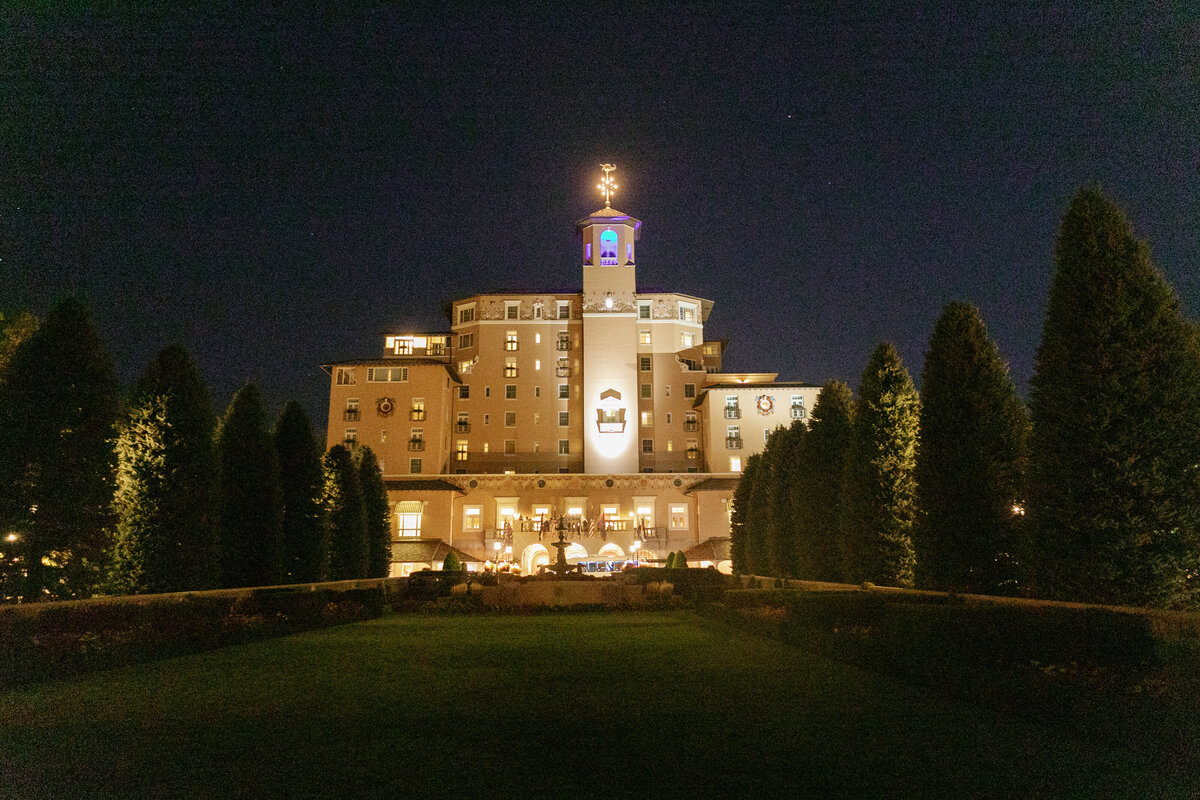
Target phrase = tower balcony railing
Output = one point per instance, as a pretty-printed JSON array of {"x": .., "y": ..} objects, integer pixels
[
  {"x": 562, "y": 372},
  {"x": 416, "y": 445},
  {"x": 350, "y": 415},
  {"x": 563, "y": 345},
  {"x": 462, "y": 427},
  {"x": 733, "y": 412},
  {"x": 691, "y": 426},
  {"x": 733, "y": 443}
]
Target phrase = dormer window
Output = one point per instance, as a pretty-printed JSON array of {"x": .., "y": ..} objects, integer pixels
[{"x": 608, "y": 248}]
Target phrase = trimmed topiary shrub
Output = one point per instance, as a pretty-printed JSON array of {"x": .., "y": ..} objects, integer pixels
[{"x": 452, "y": 564}]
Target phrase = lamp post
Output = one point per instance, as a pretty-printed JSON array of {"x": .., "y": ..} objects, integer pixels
[{"x": 635, "y": 547}]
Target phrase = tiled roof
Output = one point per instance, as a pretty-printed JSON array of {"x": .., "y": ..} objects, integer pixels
[
  {"x": 714, "y": 549},
  {"x": 428, "y": 551},
  {"x": 714, "y": 485},
  {"x": 421, "y": 485}
]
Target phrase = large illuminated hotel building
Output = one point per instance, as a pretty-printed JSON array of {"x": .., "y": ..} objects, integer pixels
[{"x": 607, "y": 407}]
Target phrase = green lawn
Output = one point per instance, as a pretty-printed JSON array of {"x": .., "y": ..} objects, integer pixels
[{"x": 570, "y": 705}]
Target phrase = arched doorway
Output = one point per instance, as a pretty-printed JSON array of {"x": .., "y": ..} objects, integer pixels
[
  {"x": 611, "y": 551},
  {"x": 575, "y": 552},
  {"x": 533, "y": 557}
]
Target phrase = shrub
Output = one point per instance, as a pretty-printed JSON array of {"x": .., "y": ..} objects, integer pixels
[{"x": 452, "y": 564}]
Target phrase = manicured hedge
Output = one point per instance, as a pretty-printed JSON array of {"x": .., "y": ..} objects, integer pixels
[
  {"x": 38, "y": 642},
  {"x": 692, "y": 583}
]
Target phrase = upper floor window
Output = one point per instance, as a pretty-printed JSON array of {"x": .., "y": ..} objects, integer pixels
[
  {"x": 687, "y": 312},
  {"x": 387, "y": 374},
  {"x": 466, "y": 314},
  {"x": 466, "y": 340},
  {"x": 689, "y": 390},
  {"x": 512, "y": 310},
  {"x": 564, "y": 307},
  {"x": 608, "y": 248},
  {"x": 345, "y": 376},
  {"x": 643, "y": 337},
  {"x": 510, "y": 340},
  {"x": 643, "y": 311},
  {"x": 687, "y": 339}
]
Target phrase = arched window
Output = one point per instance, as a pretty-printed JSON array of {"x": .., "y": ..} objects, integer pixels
[{"x": 608, "y": 249}]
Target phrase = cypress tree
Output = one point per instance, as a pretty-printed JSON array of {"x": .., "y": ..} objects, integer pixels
[
  {"x": 250, "y": 504},
  {"x": 171, "y": 420},
  {"x": 971, "y": 461},
  {"x": 758, "y": 515},
  {"x": 345, "y": 516},
  {"x": 14, "y": 330},
  {"x": 302, "y": 484},
  {"x": 738, "y": 518},
  {"x": 879, "y": 491},
  {"x": 377, "y": 513},
  {"x": 817, "y": 496},
  {"x": 784, "y": 447},
  {"x": 58, "y": 405},
  {"x": 1115, "y": 406}
]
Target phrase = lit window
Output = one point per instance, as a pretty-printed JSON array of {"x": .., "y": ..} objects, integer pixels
[
  {"x": 510, "y": 340},
  {"x": 510, "y": 368},
  {"x": 537, "y": 366},
  {"x": 687, "y": 312},
  {"x": 693, "y": 449},
  {"x": 670, "y": 445},
  {"x": 667, "y": 390},
  {"x": 417, "y": 413},
  {"x": 687, "y": 339},
  {"x": 608, "y": 248},
  {"x": 735, "y": 463},
  {"x": 643, "y": 337},
  {"x": 537, "y": 338},
  {"x": 460, "y": 450},
  {"x": 679, "y": 517},
  {"x": 345, "y": 376},
  {"x": 387, "y": 374},
  {"x": 472, "y": 519},
  {"x": 647, "y": 419},
  {"x": 629, "y": 251},
  {"x": 408, "y": 519},
  {"x": 587, "y": 252}
]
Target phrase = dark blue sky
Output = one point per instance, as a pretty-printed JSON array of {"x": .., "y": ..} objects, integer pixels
[{"x": 278, "y": 189}]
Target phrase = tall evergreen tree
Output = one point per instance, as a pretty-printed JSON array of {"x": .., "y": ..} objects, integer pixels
[
  {"x": 739, "y": 522},
  {"x": 817, "y": 496},
  {"x": 971, "y": 461},
  {"x": 14, "y": 330},
  {"x": 345, "y": 516},
  {"x": 879, "y": 491},
  {"x": 302, "y": 481},
  {"x": 783, "y": 536},
  {"x": 171, "y": 516},
  {"x": 250, "y": 505},
  {"x": 58, "y": 404},
  {"x": 1115, "y": 472},
  {"x": 758, "y": 515},
  {"x": 377, "y": 515}
]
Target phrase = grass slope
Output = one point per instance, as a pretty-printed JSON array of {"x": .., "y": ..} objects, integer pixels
[{"x": 580, "y": 705}]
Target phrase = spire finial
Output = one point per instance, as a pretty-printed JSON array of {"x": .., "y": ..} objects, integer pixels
[{"x": 606, "y": 184}]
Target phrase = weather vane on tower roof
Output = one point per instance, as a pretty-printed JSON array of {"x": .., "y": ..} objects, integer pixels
[{"x": 606, "y": 184}]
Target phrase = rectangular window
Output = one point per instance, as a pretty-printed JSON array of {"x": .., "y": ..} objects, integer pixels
[
  {"x": 689, "y": 421},
  {"x": 351, "y": 412},
  {"x": 383, "y": 436},
  {"x": 668, "y": 417},
  {"x": 735, "y": 463},
  {"x": 687, "y": 339},
  {"x": 687, "y": 312},
  {"x": 408, "y": 519},
  {"x": 510, "y": 368},
  {"x": 667, "y": 389},
  {"x": 512, "y": 310},
  {"x": 670, "y": 445},
  {"x": 647, "y": 419},
  {"x": 564, "y": 419},
  {"x": 510, "y": 391},
  {"x": 689, "y": 390},
  {"x": 537, "y": 338},
  {"x": 345, "y": 376},
  {"x": 643, "y": 311},
  {"x": 510, "y": 340},
  {"x": 460, "y": 450},
  {"x": 647, "y": 445},
  {"x": 463, "y": 423},
  {"x": 643, "y": 337},
  {"x": 733, "y": 432},
  {"x": 679, "y": 517},
  {"x": 564, "y": 447},
  {"x": 387, "y": 374},
  {"x": 466, "y": 314},
  {"x": 472, "y": 519},
  {"x": 464, "y": 392},
  {"x": 644, "y": 363},
  {"x": 537, "y": 367},
  {"x": 647, "y": 390},
  {"x": 510, "y": 447},
  {"x": 537, "y": 417},
  {"x": 351, "y": 437},
  {"x": 693, "y": 450},
  {"x": 417, "y": 413},
  {"x": 564, "y": 391},
  {"x": 510, "y": 419},
  {"x": 466, "y": 341},
  {"x": 564, "y": 306},
  {"x": 563, "y": 342},
  {"x": 414, "y": 466},
  {"x": 563, "y": 370}
]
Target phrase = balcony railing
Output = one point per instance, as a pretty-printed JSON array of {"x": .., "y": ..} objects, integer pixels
[
  {"x": 563, "y": 345},
  {"x": 691, "y": 426},
  {"x": 350, "y": 415},
  {"x": 733, "y": 412},
  {"x": 416, "y": 445},
  {"x": 462, "y": 427},
  {"x": 733, "y": 443},
  {"x": 562, "y": 372},
  {"x": 797, "y": 412},
  {"x": 693, "y": 453}
]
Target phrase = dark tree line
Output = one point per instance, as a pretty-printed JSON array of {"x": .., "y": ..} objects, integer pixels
[
  {"x": 1092, "y": 494},
  {"x": 161, "y": 496}
]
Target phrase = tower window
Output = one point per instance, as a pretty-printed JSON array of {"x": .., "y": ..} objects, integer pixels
[{"x": 608, "y": 249}]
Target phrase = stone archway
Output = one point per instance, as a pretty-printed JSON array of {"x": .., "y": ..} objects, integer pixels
[
  {"x": 611, "y": 552},
  {"x": 575, "y": 552},
  {"x": 533, "y": 557}
]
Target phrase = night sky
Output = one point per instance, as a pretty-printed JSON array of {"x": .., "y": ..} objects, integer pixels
[{"x": 277, "y": 190}]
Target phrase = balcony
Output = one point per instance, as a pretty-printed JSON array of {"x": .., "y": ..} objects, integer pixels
[
  {"x": 562, "y": 372},
  {"x": 563, "y": 345},
  {"x": 417, "y": 415},
  {"x": 733, "y": 412},
  {"x": 733, "y": 443},
  {"x": 691, "y": 426},
  {"x": 416, "y": 445},
  {"x": 350, "y": 415},
  {"x": 693, "y": 453},
  {"x": 462, "y": 427}
]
